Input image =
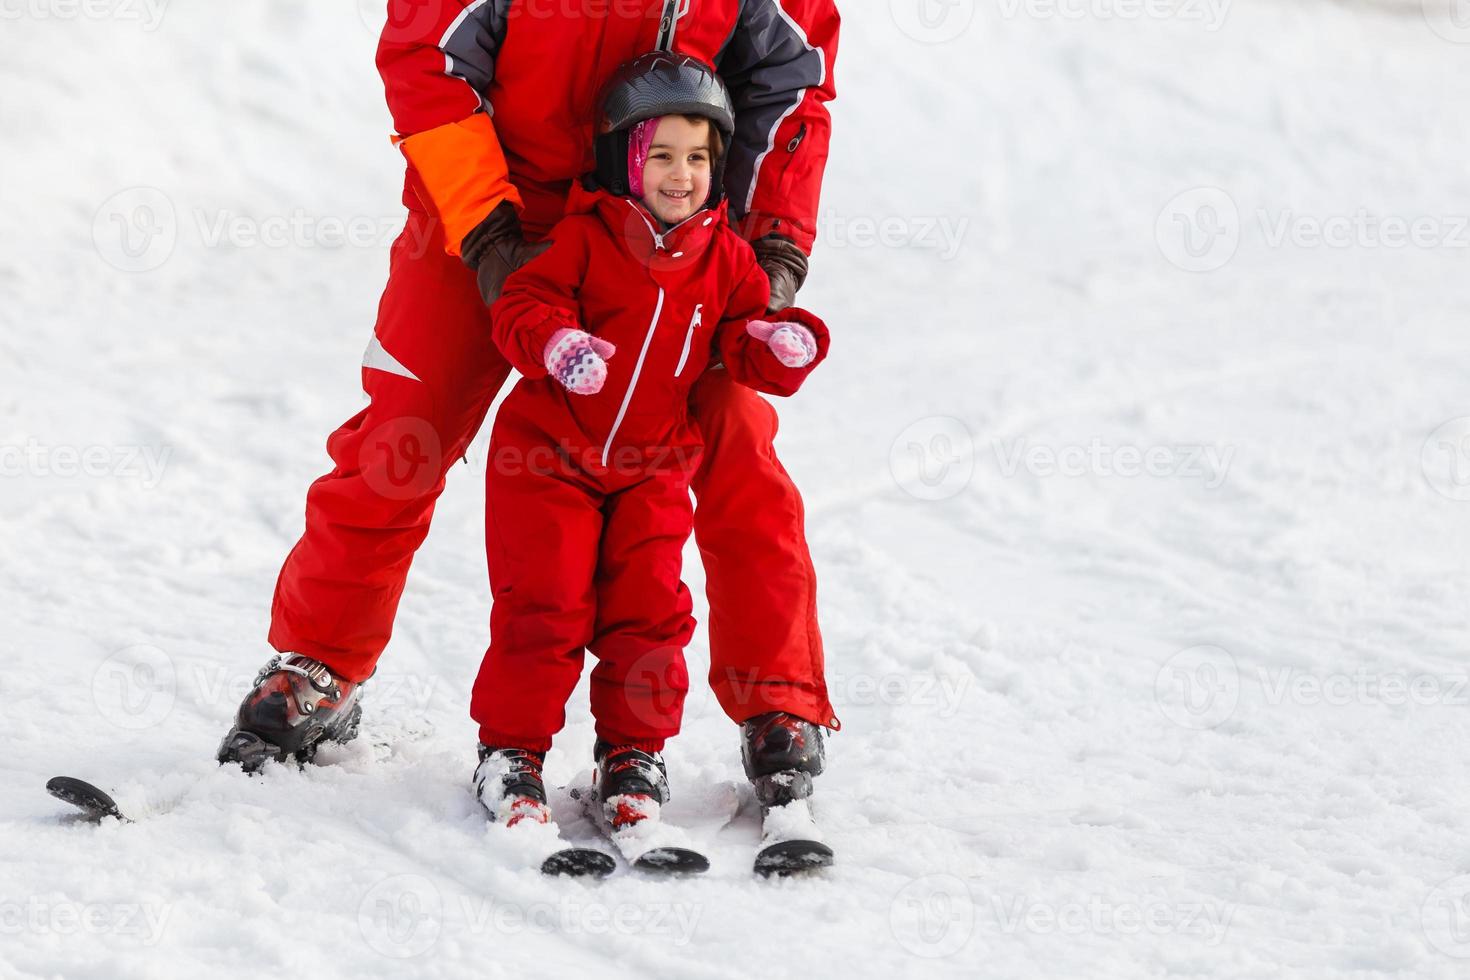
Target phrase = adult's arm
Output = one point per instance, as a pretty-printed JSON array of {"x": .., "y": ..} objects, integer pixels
[
  {"x": 540, "y": 298},
  {"x": 436, "y": 58},
  {"x": 779, "y": 65}
]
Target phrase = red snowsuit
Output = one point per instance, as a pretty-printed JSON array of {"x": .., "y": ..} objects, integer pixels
[
  {"x": 588, "y": 495},
  {"x": 431, "y": 372}
]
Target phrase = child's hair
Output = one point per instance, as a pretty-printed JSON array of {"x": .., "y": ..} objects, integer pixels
[{"x": 716, "y": 139}]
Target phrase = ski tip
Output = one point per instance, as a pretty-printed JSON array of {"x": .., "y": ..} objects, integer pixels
[
  {"x": 93, "y": 802},
  {"x": 793, "y": 857},
  {"x": 579, "y": 862},
  {"x": 672, "y": 860}
]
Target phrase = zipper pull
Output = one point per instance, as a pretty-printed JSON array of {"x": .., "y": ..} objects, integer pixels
[
  {"x": 698, "y": 320},
  {"x": 796, "y": 140}
]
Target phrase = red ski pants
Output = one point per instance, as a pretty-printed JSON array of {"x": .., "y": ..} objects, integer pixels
[
  {"x": 431, "y": 375},
  {"x": 582, "y": 558}
]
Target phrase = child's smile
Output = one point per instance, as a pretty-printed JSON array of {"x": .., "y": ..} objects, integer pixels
[{"x": 676, "y": 178}]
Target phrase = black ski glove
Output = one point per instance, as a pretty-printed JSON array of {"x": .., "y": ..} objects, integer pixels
[
  {"x": 496, "y": 248},
  {"x": 785, "y": 265}
]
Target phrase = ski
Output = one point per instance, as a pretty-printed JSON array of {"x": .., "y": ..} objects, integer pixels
[
  {"x": 579, "y": 862},
  {"x": 509, "y": 788},
  {"x": 94, "y": 804},
  {"x": 790, "y": 841},
  {"x": 649, "y": 844}
]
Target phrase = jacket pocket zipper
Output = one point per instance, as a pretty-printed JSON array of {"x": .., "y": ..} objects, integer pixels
[{"x": 694, "y": 324}]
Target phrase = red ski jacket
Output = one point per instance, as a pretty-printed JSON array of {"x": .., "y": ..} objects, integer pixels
[
  {"x": 537, "y": 67},
  {"x": 668, "y": 301}
]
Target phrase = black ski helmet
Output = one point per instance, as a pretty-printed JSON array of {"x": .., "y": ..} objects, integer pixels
[{"x": 660, "y": 83}]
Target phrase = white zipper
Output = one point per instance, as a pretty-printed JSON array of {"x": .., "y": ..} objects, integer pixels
[
  {"x": 637, "y": 370},
  {"x": 694, "y": 325},
  {"x": 657, "y": 238}
]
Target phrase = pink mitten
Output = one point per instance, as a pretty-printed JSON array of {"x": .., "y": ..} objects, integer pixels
[
  {"x": 792, "y": 343},
  {"x": 578, "y": 360}
]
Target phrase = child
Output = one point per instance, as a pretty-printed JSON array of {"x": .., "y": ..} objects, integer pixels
[{"x": 592, "y": 452}]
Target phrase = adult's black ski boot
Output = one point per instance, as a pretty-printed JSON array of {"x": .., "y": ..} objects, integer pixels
[
  {"x": 295, "y": 705},
  {"x": 782, "y": 753}
]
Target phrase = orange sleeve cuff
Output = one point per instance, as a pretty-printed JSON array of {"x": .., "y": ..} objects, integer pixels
[{"x": 462, "y": 168}]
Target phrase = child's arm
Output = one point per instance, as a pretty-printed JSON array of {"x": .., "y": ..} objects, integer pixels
[
  {"x": 534, "y": 323},
  {"x": 748, "y": 339}
]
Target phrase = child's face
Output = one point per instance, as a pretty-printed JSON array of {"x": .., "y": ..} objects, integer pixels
[{"x": 676, "y": 177}]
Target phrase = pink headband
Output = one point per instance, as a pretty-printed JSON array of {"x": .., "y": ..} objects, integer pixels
[{"x": 640, "y": 140}]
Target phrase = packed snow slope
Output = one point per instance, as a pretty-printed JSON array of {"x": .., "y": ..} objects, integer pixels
[{"x": 1137, "y": 486}]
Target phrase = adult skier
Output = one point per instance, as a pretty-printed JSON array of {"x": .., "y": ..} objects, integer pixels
[{"x": 493, "y": 105}]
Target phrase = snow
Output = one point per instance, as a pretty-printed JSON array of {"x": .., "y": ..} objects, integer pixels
[{"x": 1142, "y": 555}]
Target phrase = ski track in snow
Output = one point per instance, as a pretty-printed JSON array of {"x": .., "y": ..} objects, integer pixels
[{"x": 1032, "y": 779}]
